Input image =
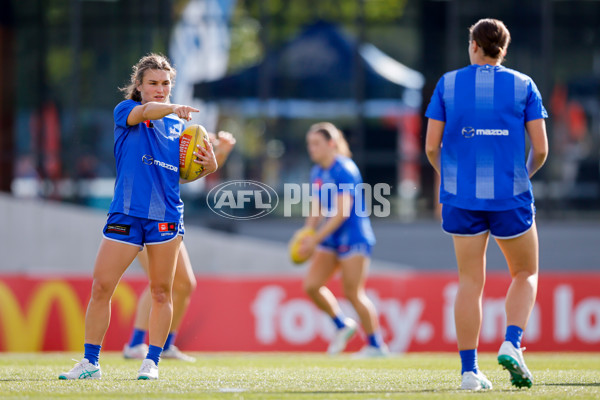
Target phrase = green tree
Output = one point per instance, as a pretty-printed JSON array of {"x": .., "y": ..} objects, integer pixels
[{"x": 274, "y": 21}]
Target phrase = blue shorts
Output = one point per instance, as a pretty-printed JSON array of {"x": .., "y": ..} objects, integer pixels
[
  {"x": 505, "y": 224},
  {"x": 346, "y": 250},
  {"x": 140, "y": 231}
]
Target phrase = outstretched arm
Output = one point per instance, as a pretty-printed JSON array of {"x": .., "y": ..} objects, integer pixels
[{"x": 155, "y": 110}]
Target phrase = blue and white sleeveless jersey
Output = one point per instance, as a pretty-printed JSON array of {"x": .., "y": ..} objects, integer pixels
[
  {"x": 147, "y": 157},
  {"x": 483, "y": 160},
  {"x": 344, "y": 176}
]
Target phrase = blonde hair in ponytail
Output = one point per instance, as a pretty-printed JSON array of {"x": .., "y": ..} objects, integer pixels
[{"x": 330, "y": 132}]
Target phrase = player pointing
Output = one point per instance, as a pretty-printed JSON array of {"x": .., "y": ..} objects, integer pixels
[{"x": 146, "y": 197}]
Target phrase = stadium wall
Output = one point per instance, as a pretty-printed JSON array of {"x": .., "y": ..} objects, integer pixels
[
  {"x": 271, "y": 313},
  {"x": 249, "y": 296}
]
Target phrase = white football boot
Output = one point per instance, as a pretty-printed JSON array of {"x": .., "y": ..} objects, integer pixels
[
  {"x": 512, "y": 360},
  {"x": 83, "y": 370},
  {"x": 137, "y": 352},
  {"x": 174, "y": 353},
  {"x": 369, "y": 351},
  {"x": 342, "y": 336},
  {"x": 472, "y": 381},
  {"x": 148, "y": 370}
]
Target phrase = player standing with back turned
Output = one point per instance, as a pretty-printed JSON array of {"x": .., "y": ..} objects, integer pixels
[{"x": 478, "y": 118}]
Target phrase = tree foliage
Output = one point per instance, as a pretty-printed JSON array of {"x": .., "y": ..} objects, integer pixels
[{"x": 259, "y": 22}]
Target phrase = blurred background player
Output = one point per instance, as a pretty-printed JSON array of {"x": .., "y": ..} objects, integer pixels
[
  {"x": 184, "y": 283},
  {"x": 145, "y": 211},
  {"x": 341, "y": 242},
  {"x": 478, "y": 117}
]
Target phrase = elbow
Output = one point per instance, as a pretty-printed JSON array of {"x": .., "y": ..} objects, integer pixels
[
  {"x": 432, "y": 153},
  {"x": 432, "y": 150},
  {"x": 541, "y": 154}
]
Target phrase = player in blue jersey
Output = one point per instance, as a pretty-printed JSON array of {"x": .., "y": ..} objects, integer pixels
[
  {"x": 343, "y": 239},
  {"x": 184, "y": 284},
  {"x": 479, "y": 117},
  {"x": 146, "y": 209}
]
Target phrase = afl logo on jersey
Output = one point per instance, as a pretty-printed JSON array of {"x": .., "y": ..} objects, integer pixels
[
  {"x": 468, "y": 132},
  {"x": 148, "y": 160}
]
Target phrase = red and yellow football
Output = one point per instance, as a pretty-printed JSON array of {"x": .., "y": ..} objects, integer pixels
[{"x": 192, "y": 135}]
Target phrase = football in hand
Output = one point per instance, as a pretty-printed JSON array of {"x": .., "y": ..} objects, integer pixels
[
  {"x": 294, "y": 245},
  {"x": 192, "y": 135}
]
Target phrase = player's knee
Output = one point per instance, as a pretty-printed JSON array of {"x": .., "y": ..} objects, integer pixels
[
  {"x": 525, "y": 275},
  {"x": 160, "y": 293},
  {"x": 101, "y": 290},
  {"x": 310, "y": 288},
  {"x": 471, "y": 282},
  {"x": 352, "y": 294},
  {"x": 185, "y": 287}
]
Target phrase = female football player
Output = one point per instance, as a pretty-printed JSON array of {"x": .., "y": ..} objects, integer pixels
[
  {"x": 146, "y": 209},
  {"x": 342, "y": 241},
  {"x": 478, "y": 120}
]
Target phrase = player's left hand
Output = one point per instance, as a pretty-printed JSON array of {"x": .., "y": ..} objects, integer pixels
[{"x": 206, "y": 157}]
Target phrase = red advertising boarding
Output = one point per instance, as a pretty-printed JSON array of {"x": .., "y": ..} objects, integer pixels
[{"x": 273, "y": 314}]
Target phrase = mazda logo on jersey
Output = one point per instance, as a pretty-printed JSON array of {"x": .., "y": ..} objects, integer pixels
[
  {"x": 468, "y": 132},
  {"x": 148, "y": 160}
]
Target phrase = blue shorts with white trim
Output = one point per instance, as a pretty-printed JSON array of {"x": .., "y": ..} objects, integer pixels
[
  {"x": 346, "y": 250},
  {"x": 504, "y": 224},
  {"x": 140, "y": 231}
]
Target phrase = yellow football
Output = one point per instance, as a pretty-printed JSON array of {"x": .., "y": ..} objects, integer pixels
[
  {"x": 192, "y": 135},
  {"x": 294, "y": 245}
]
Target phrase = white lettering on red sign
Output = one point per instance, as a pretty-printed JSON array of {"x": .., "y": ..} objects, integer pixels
[{"x": 581, "y": 320}]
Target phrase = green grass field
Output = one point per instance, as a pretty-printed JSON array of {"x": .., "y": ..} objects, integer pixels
[{"x": 296, "y": 376}]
